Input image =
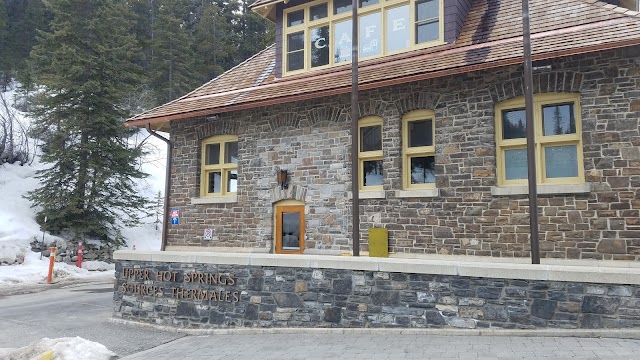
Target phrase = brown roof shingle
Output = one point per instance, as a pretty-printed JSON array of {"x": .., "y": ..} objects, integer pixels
[{"x": 490, "y": 37}]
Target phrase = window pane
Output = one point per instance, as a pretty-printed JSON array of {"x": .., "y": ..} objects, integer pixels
[
  {"x": 231, "y": 152},
  {"x": 290, "y": 231},
  {"x": 318, "y": 12},
  {"x": 515, "y": 163},
  {"x": 320, "y": 46},
  {"x": 370, "y": 28},
  {"x": 364, "y": 3},
  {"x": 423, "y": 170},
  {"x": 295, "y": 61},
  {"x": 514, "y": 124},
  {"x": 397, "y": 28},
  {"x": 342, "y": 41},
  {"x": 558, "y": 119},
  {"x": 340, "y": 6},
  {"x": 295, "y": 18},
  {"x": 212, "y": 155},
  {"x": 372, "y": 172},
  {"x": 427, "y": 9},
  {"x": 371, "y": 138},
  {"x": 561, "y": 161},
  {"x": 420, "y": 133},
  {"x": 215, "y": 180},
  {"x": 232, "y": 181},
  {"x": 295, "y": 41},
  {"x": 426, "y": 32}
]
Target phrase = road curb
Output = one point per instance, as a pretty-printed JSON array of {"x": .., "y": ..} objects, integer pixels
[{"x": 583, "y": 333}]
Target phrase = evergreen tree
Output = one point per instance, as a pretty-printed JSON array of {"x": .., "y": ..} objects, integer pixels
[
  {"x": 171, "y": 68},
  {"x": 4, "y": 46},
  {"x": 86, "y": 70},
  {"x": 215, "y": 41},
  {"x": 256, "y": 33}
]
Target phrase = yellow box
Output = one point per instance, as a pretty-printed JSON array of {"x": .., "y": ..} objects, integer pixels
[{"x": 378, "y": 242}]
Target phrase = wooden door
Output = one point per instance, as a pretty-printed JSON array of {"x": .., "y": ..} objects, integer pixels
[{"x": 290, "y": 229}]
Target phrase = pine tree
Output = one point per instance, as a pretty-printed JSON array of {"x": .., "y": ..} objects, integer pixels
[
  {"x": 256, "y": 33},
  {"x": 85, "y": 67},
  {"x": 171, "y": 69},
  {"x": 4, "y": 46},
  {"x": 216, "y": 41}
]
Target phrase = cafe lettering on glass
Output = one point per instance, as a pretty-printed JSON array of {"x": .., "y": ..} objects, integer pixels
[{"x": 318, "y": 35}]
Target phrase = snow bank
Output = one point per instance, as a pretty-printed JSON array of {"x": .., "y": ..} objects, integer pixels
[
  {"x": 35, "y": 270},
  {"x": 66, "y": 348}
]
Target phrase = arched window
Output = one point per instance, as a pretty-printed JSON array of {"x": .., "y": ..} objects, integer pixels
[
  {"x": 558, "y": 134},
  {"x": 418, "y": 150},
  {"x": 219, "y": 166}
]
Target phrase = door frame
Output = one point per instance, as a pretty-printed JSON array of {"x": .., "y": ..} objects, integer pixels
[{"x": 288, "y": 206}]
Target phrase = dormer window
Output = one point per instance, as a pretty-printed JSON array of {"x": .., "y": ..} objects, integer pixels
[{"x": 318, "y": 34}]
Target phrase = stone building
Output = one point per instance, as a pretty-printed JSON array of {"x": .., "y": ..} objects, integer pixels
[{"x": 442, "y": 149}]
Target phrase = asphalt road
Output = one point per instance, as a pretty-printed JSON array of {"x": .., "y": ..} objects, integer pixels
[{"x": 77, "y": 310}]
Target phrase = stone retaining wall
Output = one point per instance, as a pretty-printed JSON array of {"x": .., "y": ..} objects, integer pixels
[{"x": 256, "y": 296}]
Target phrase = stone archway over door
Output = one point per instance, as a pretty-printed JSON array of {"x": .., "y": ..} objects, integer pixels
[{"x": 289, "y": 227}]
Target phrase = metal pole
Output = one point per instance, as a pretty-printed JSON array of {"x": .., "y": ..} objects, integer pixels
[
  {"x": 531, "y": 145},
  {"x": 355, "y": 114},
  {"x": 167, "y": 188}
]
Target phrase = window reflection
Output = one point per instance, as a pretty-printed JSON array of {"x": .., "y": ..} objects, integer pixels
[
  {"x": 290, "y": 231},
  {"x": 420, "y": 133},
  {"x": 558, "y": 119},
  {"x": 423, "y": 170},
  {"x": 398, "y": 31},
  {"x": 320, "y": 46},
  {"x": 514, "y": 124},
  {"x": 372, "y": 173},
  {"x": 370, "y": 41},
  {"x": 342, "y": 41},
  {"x": 370, "y": 138}
]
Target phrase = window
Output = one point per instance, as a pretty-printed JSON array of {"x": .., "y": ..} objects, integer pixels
[
  {"x": 370, "y": 153},
  {"x": 418, "y": 161},
  {"x": 219, "y": 166},
  {"x": 558, "y": 140},
  {"x": 318, "y": 34}
]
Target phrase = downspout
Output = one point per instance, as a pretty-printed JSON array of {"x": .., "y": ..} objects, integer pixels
[{"x": 167, "y": 186}]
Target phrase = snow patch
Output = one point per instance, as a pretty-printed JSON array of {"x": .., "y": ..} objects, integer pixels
[
  {"x": 66, "y": 348},
  {"x": 35, "y": 270}
]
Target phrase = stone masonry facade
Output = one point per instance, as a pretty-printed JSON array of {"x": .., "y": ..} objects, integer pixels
[
  {"x": 312, "y": 139},
  {"x": 303, "y": 297}
]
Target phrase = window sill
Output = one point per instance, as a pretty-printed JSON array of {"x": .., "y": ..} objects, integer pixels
[
  {"x": 368, "y": 194},
  {"x": 228, "y": 199},
  {"x": 542, "y": 189},
  {"x": 418, "y": 193}
]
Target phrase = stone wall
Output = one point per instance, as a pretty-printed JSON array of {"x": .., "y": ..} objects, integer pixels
[
  {"x": 306, "y": 297},
  {"x": 311, "y": 139}
]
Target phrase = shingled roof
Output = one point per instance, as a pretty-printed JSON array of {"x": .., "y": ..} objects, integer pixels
[{"x": 491, "y": 37}]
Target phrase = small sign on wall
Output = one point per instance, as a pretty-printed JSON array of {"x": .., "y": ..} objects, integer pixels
[
  {"x": 175, "y": 216},
  {"x": 208, "y": 234}
]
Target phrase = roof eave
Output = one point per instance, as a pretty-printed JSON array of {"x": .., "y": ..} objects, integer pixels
[{"x": 388, "y": 82}]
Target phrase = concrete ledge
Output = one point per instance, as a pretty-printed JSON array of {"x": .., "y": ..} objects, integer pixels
[
  {"x": 456, "y": 266},
  {"x": 368, "y": 194},
  {"x": 542, "y": 189},
  {"x": 218, "y": 249},
  {"x": 229, "y": 199},
  {"x": 421, "y": 193},
  {"x": 583, "y": 333}
]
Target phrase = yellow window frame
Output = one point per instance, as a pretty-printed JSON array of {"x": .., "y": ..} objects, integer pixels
[
  {"x": 382, "y": 7},
  {"x": 542, "y": 141},
  {"x": 418, "y": 151},
  {"x": 221, "y": 167},
  {"x": 369, "y": 155}
]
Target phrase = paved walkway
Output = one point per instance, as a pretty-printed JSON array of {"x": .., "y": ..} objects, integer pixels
[{"x": 381, "y": 346}]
